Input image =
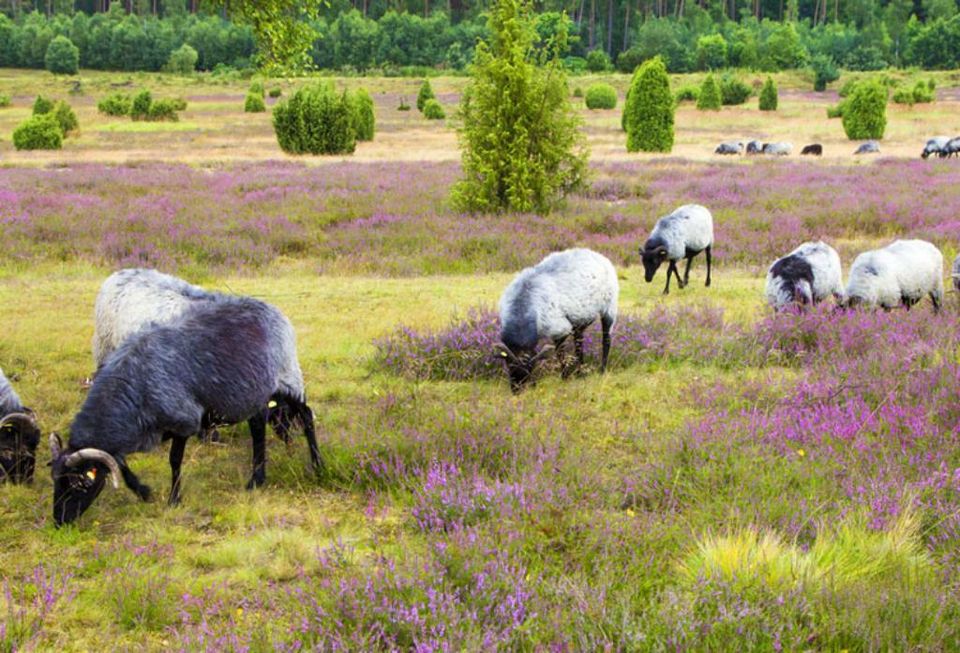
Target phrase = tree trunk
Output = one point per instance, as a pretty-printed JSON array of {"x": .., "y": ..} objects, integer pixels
[
  {"x": 610, "y": 28},
  {"x": 626, "y": 25},
  {"x": 593, "y": 24}
]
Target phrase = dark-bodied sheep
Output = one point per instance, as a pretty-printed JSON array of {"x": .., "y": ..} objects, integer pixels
[
  {"x": 935, "y": 146},
  {"x": 729, "y": 147},
  {"x": 559, "y": 297},
  {"x": 19, "y": 436},
  {"x": 221, "y": 362},
  {"x": 900, "y": 273},
  {"x": 807, "y": 275},
  {"x": 814, "y": 149},
  {"x": 682, "y": 234},
  {"x": 754, "y": 147},
  {"x": 870, "y": 147}
]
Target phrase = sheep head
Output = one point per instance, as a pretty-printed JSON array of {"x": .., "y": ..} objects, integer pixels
[
  {"x": 19, "y": 437},
  {"x": 520, "y": 365},
  {"x": 78, "y": 478},
  {"x": 653, "y": 258}
]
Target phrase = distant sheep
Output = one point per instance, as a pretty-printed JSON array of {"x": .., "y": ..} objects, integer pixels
[
  {"x": 870, "y": 147},
  {"x": 900, "y": 273},
  {"x": 19, "y": 436},
  {"x": 777, "y": 149},
  {"x": 729, "y": 147},
  {"x": 225, "y": 361},
  {"x": 815, "y": 149},
  {"x": 682, "y": 234},
  {"x": 952, "y": 148},
  {"x": 955, "y": 273},
  {"x": 807, "y": 275},
  {"x": 560, "y": 296},
  {"x": 754, "y": 147},
  {"x": 936, "y": 146}
]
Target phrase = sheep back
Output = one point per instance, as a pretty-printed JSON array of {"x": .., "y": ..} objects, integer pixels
[
  {"x": 812, "y": 270},
  {"x": 690, "y": 227},
  {"x": 905, "y": 269}
]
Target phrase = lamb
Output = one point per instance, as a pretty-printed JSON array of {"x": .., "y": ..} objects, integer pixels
[
  {"x": 955, "y": 273},
  {"x": 936, "y": 146},
  {"x": 777, "y": 149},
  {"x": 870, "y": 147},
  {"x": 682, "y": 234},
  {"x": 559, "y": 297},
  {"x": 729, "y": 147},
  {"x": 815, "y": 149},
  {"x": 807, "y": 275},
  {"x": 754, "y": 147},
  {"x": 19, "y": 436},
  {"x": 223, "y": 361},
  {"x": 900, "y": 273}
]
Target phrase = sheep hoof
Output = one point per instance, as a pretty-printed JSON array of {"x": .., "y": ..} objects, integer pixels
[
  {"x": 255, "y": 482},
  {"x": 707, "y": 284},
  {"x": 144, "y": 492},
  {"x": 173, "y": 502}
]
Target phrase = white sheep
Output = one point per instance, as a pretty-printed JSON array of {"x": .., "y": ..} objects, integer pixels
[
  {"x": 682, "y": 234},
  {"x": 777, "y": 149},
  {"x": 809, "y": 274},
  {"x": 729, "y": 147},
  {"x": 559, "y": 297},
  {"x": 936, "y": 146},
  {"x": 955, "y": 273},
  {"x": 870, "y": 147},
  {"x": 900, "y": 273}
]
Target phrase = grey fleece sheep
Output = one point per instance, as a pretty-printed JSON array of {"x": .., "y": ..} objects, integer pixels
[
  {"x": 222, "y": 362},
  {"x": 777, "y": 149},
  {"x": 900, "y": 273},
  {"x": 19, "y": 436},
  {"x": 682, "y": 234},
  {"x": 559, "y": 297},
  {"x": 870, "y": 147},
  {"x": 935, "y": 146},
  {"x": 955, "y": 273},
  {"x": 729, "y": 147},
  {"x": 807, "y": 275}
]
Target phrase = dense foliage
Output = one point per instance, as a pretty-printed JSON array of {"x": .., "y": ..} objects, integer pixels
[
  {"x": 39, "y": 132},
  {"x": 768, "y": 96},
  {"x": 709, "y": 97},
  {"x": 365, "y": 118},
  {"x": 522, "y": 149},
  {"x": 425, "y": 93},
  {"x": 648, "y": 111},
  {"x": 601, "y": 96},
  {"x": 824, "y": 72},
  {"x": 734, "y": 90},
  {"x": 316, "y": 120},
  {"x": 865, "y": 111},
  {"x": 254, "y": 103},
  {"x": 62, "y": 56}
]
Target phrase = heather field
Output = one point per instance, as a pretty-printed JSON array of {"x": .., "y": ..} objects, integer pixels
[{"x": 737, "y": 480}]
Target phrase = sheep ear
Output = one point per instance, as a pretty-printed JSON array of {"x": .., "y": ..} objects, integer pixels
[{"x": 500, "y": 350}]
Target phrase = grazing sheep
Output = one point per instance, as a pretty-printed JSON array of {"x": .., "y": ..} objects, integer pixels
[
  {"x": 955, "y": 273},
  {"x": 19, "y": 436},
  {"x": 870, "y": 147},
  {"x": 777, "y": 149},
  {"x": 900, "y": 273},
  {"x": 223, "y": 361},
  {"x": 560, "y": 296},
  {"x": 935, "y": 146},
  {"x": 807, "y": 275},
  {"x": 682, "y": 234},
  {"x": 754, "y": 147},
  {"x": 952, "y": 148},
  {"x": 729, "y": 147},
  {"x": 815, "y": 149}
]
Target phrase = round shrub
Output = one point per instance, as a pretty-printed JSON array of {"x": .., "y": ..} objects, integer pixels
[
  {"x": 577, "y": 92},
  {"x": 865, "y": 112},
  {"x": 648, "y": 111},
  {"x": 432, "y": 110},
  {"x": 140, "y": 106},
  {"x": 257, "y": 88},
  {"x": 179, "y": 103},
  {"x": 601, "y": 96},
  {"x": 903, "y": 95},
  {"x": 709, "y": 98},
  {"x": 733, "y": 90},
  {"x": 117, "y": 104},
  {"x": 687, "y": 94},
  {"x": 425, "y": 93},
  {"x": 65, "y": 117},
  {"x": 768, "y": 96},
  {"x": 598, "y": 61},
  {"x": 42, "y": 105},
  {"x": 315, "y": 120},
  {"x": 364, "y": 118},
  {"x": 40, "y": 132},
  {"x": 276, "y": 91},
  {"x": 160, "y": 110},
  {"x": 922, "y": 93},
  {"x": 254, "y": 103},
  {"x": 62, "y": 57},
  {"x": 4, "y": 100},
  {"x": 182, "y": 61}
]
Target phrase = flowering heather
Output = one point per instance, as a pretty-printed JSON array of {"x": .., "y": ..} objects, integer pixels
[{"x": 27, "y": 606}]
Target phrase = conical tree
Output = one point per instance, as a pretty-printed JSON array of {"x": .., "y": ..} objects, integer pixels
[
  {"x": 648, "y": 111},
  {"x": 709, "y": 98},
  {"x": 522, "y": 149},
  {"x": 425, "y": 93},
  {"x": 865, "y": 111},
  {"x": 768, "y": 96}
]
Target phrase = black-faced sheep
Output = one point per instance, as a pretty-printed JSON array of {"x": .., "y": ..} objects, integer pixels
[
  {"x": 221, "y": 362},
  {"x": 900, "y": 273},
  {"x": 777, "y": 149},
  {"x": 952, "y": 148},
  {"x": 559, "y": 297},
  {"x": 682, "y": 234},
  {"x": 729, "y": 147},
  {"x": 754, "y": 147},
  {"x": 807, "y": 275},
  {"x": 870, "y": 147},
  {"x": 814, "y": 149},
  {"x": 19, "y": 436},
  {"x": 935, "y": 146}
]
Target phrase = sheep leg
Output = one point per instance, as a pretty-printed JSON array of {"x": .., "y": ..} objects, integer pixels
[
  {"x": 131, "y": 481},
  {"x": 177, "y": 446},
  {"x": 935, "y": 298},
  {"x": 686, "y": 273},
  {"x": 671, "y": 269},
  {"x": 707, "y": 250},
  {"x": 606, "y": 324},
  {"x": 306, "y": 416},
  {"x": 578, "y": 346},
  {"x": 258, "y": 431}
]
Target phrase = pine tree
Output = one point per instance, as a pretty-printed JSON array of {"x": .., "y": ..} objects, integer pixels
[
  {"x": 709, "y": 98},
  {"x": 768, "y": 96},
  {"x": 648, "y": 112}
]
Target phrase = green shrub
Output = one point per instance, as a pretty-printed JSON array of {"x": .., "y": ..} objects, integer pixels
[
  {"x": 254, "y": 103},
  {"x": 687, "y": 94},
  {"x": 140, "y": 106},
  {"x": 40, "y": 132},
  {"x": 179, "y": 103},
  {"x": 4, "y": 100},
  {"x": 42, "y": 105},
  {"x": 117, "y": 104},
  {"x": 182, "y": 61},
  {"x": 66, "y": 118},
  {"x": 365, "y": 118},
  {"x": 161, "y": 110},
  {"x": 275, "y": 92},
  {"x": 903, "y": 95},
  {"x": 848, "y": 87},
  {"x": 62, "y": 57},
  {"x": 426, "y": 93},
  {"x": 711, "y": 52},
  {"x": 648, "y": 111},
  {"x": 733, "y": 90},
  {"x": 824, "y": 71},
  {"x": 768, "y": 96},
  {"x": 865, "y": 112},
  {"x": 598, "y": 61},
  {"x": 257, "y": 88},
  {"x": 315, "y": 120},
  {"x": 432, "y": 110},
  {"x": 709, "y": 98},
  {"x": 575, "y": 65},
  {"x": 931, "y": 84},
  {"x": 577, "y": 92},
  {"x": 601, "y": 96},
  {"x": 922, "y": 93},
  {"x": 837, "y": 110}
]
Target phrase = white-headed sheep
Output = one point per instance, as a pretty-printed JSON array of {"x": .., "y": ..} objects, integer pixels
[
  {"x": 900, "y": 273},
  {"x": 682, "y": 234},
  {"x": 807, "y": 275}
]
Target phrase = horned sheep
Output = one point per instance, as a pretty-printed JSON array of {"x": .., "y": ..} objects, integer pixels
[
  {"x": 807, "y": 275},
  {"x": 19, "y": 436},
  {"x": 559, "y": 297},
  {"x": 900, "y": 273},
  {"x": 682, "y": 234}
]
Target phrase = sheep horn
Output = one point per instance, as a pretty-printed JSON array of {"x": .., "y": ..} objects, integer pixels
[
  {"x": 503, "y": 351},
  {"x": 98, "y": 456},
  {"x": 56, "y": 444},
  {"x": 19, "y": 419}
]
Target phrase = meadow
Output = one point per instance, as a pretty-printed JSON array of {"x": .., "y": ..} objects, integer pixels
[{"x": 736, "y": 480}]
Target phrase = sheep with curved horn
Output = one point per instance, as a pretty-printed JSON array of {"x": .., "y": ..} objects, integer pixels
[{"x": 19, "y": 436}]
